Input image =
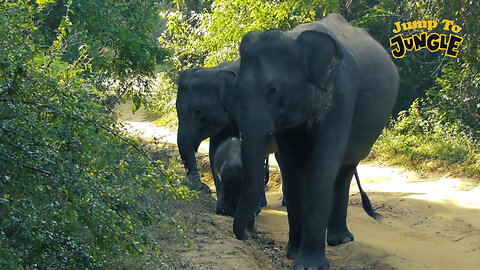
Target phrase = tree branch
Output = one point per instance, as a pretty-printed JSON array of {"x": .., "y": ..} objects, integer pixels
[{"x": 29, "y": 103}]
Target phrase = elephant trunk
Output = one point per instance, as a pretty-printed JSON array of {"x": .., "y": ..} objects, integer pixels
[
  {"x": 253, "y": 157},
  {"x": 187, "y": 146}
]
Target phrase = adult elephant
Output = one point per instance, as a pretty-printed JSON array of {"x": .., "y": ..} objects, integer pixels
[
  {"x": 201, "y": 114},
  {"x": 325, "y": 91}
]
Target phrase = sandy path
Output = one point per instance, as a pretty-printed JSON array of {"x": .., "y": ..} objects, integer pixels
[
  {"x": 428, "y": 223},
  {"x": 137, "y": 125}
]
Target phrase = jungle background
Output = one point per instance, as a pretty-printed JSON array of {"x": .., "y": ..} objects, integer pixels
[{"x": 76, "y": 191}]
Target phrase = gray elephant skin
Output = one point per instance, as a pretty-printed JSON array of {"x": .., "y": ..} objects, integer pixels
[
  {"x": 228, "y": 169},
  {"x": 325, "y": 91},
  {"x": 201, "y": 114},
  {"x": 227, "y": 166}
]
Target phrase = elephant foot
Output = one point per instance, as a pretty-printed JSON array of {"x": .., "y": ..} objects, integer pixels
[
  {"x": 318, "y": 262},
  {"x": 202, "y": 187},
  {"x": 197, "y": 185},
  {"x": 251, "y": 226},
  {"x": 292, "y": 251},
  {"x": 225, "y": 211},
  {"x": 241, "y": 234},
  {"x": 263, "y": 201},
  {"x": 338, "y": 238},
  {"x": 192, "y": 180},
  {"x": 259, "y": 210},
  {"x": 284, "y": 203}
]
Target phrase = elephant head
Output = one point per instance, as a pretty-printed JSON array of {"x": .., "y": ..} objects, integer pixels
[
  {"x": 199, "y": 109},
  {"x": 228, "y": 168},
  {"x": 283, "y": 82}
]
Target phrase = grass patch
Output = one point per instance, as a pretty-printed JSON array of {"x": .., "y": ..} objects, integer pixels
[{"x": 421, "y": 141}]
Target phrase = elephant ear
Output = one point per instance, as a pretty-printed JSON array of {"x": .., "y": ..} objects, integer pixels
[
  {"x": 181, "y": 80},
  {"x": 226, "y": 80},
  {"x": 320, "y": 57}
]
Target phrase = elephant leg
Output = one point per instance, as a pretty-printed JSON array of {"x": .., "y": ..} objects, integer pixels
[
  {"x": 216, "y": 180},
  {"x": 317, "y": 203},
  {"x": 328, "y": 147},
  {"x": 292, "y": 163},
  {"x": 215, "y": 142},
  {"x": 281, "y": 176},
  {"x": 267, "y": 170},
  {"x": 337, "y": 232},
  {"x": 263, "y": 198}
]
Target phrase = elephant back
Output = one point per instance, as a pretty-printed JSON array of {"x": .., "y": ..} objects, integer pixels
[{"x": 228, "y": 155}]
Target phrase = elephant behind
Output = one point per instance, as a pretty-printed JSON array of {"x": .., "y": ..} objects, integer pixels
[{"x": 201, "y": 114}]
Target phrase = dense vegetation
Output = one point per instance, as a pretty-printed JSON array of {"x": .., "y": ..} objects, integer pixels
[
  {"x": 436, "y": 121},
  {"x": 76, "y": 192}
]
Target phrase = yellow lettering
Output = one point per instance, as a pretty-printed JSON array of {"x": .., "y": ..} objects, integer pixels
[
  {"x": 456, "y": 28},
  {"x": 420, "y": 41},
  {"x": 398, "y": 29},
  {"x": 453, "y": 44},
  {"x": 399, "y": 51},
  {"x": 432, "y": 25},
  {"x": 432, "y": 42},
  {"x": 419, "y": 24},
  {"x": 447, "y": 24}
]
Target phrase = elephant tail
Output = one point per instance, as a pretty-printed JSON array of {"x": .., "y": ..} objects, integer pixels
[{"x": 367, "y": 206}]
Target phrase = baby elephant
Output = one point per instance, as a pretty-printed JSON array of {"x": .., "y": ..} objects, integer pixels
[{"x": 227, "y": 165}]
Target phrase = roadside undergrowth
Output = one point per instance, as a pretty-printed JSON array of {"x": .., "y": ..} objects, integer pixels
[{"x": 421, "y": 141}]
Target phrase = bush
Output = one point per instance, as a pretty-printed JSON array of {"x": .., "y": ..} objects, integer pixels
[
  {"x": 161, "y": 105},
  {"x": 420, "y": 139},
  {"x": 75, "y": 192}
]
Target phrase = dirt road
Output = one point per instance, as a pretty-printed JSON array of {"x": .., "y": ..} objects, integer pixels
[{"x": 429, "y": 223}]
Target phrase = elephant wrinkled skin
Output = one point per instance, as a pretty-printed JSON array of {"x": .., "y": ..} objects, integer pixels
[
  {"x": 325, "y": 91},
  {"x": 228, "y": 169},
  {"x": 201, "y": 114}
]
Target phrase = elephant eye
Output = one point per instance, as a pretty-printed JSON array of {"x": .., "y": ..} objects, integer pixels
[
  {"x": 198, "y": 112},
  {"x": 272, "y": 90}
]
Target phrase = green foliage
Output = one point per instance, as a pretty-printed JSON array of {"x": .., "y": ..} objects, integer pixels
[
  {"x": 421, "y": 139},
  {"x": 206, "y": 33},
  {"x": 210, "y": 36},
  {"x": 457, "y": 98},
  {"x": 442, "y": 128},
  {"x": 162, "y": 103},
  {"x": 119, "y": 38},
  {"x": 419, "y": 69},
  {"x": 229, "y": 21},
  {"x": 75, "y": 192}
]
